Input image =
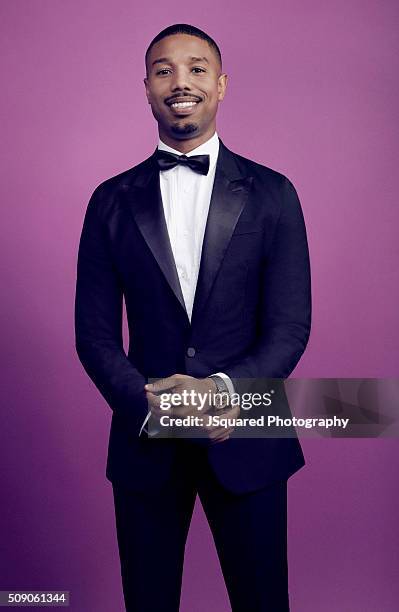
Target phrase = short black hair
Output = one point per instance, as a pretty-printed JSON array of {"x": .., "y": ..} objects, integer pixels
[{"x": 184, "y": 28}]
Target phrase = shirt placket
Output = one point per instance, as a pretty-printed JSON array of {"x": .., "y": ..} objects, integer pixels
[{"x": 184, "y": 254}]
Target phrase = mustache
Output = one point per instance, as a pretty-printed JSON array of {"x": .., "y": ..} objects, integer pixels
[{"x": 182, "y": 95}]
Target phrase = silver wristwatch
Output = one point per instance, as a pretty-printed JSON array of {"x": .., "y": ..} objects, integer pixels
[{"x": 222, "y": 396}]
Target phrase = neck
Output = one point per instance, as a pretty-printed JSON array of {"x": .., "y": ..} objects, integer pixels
[{"x": 188, "y": 144}]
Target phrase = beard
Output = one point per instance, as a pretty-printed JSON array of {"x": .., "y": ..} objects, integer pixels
[{"x": 181, "y": 130}]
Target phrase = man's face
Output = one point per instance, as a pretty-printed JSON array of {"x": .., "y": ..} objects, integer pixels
[{"x": 184, "y": 85}]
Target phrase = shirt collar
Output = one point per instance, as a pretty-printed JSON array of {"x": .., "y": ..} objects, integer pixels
[{"x": 210, "y": 147}]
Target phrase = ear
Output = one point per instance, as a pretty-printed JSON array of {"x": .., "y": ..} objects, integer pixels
[
  {"x": 147, "y": 90},
  {"x": 222, "y": 84}
]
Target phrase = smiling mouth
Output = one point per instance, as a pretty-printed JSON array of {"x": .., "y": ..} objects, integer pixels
[
  {"x": 178, "y": 105},
  {"x": 183, "y": 106}
]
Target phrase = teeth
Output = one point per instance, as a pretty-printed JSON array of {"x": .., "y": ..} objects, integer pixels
[{"x": 182, "y": 104}]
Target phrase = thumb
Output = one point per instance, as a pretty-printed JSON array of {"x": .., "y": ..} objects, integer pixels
[{"x": 161, "y": 385}]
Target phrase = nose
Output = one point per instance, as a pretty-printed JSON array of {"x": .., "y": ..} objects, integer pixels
[{"x": 180, "y": 80}]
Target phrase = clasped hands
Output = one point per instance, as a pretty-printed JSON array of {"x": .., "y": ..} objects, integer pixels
[{"x": 183, "y": 385}]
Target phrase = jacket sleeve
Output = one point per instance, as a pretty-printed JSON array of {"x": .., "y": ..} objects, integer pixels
[
  {"x": 285, "y": 307},
  {"x": 98, "y": 323}
]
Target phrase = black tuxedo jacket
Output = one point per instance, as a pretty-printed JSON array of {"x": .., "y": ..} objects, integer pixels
[{"x": 251, "y": 315}]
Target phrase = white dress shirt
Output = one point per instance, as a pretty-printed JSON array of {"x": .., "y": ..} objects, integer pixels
[{"x": 186, "y": 196}]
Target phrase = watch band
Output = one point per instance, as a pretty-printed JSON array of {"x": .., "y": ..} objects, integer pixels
[{"x": 219, "y": 382}]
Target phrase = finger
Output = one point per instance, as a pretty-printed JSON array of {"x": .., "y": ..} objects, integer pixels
[
  {"x": 182, "y": 410},
  {"x": 218, "y": 432},
  {"x": 157, "y": 412},
  {"x": 221, "y": 438},
  {"x": 153, "y": 400},
  {"x": 210, "y": 428},
  {"x": 231, "y": 414},
  {"x": 224, "y": 431},
  {"x": 161, "y": 385}
]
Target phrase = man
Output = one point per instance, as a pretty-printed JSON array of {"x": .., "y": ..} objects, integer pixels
[{"x": 210, "y": 255}]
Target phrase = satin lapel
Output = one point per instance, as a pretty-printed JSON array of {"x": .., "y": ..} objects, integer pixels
[
  {"x": 229, "y": 195},
  {"x": 147, "y": 209}
]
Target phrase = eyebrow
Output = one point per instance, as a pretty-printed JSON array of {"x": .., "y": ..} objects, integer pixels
[{"x": 166, "y": 60}]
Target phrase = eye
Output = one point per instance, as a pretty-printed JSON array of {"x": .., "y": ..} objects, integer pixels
[
  {"x": 199, "y": 69},
  {"x": 163, "y": 71}
]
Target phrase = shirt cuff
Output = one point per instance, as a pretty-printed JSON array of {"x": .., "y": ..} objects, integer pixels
[
  {"x": 143, "y": 427},
  {"x": 153, "y": 432}
]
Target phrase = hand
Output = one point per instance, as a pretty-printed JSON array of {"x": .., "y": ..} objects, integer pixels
[
  {"x": 219, "y": 434},
  {"x": 197, "y": 395}
]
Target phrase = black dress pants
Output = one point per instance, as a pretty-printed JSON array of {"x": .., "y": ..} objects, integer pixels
[{"x": 249, "y": 530}]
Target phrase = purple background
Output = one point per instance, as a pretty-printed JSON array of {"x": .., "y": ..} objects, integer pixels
[{"x": 313, "y": 93}]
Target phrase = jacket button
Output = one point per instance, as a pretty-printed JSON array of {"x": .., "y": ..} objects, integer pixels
[{"x": 190, "y": 351}]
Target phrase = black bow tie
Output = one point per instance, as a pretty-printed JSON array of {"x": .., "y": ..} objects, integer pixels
[{"x": 167, "y": 160}]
